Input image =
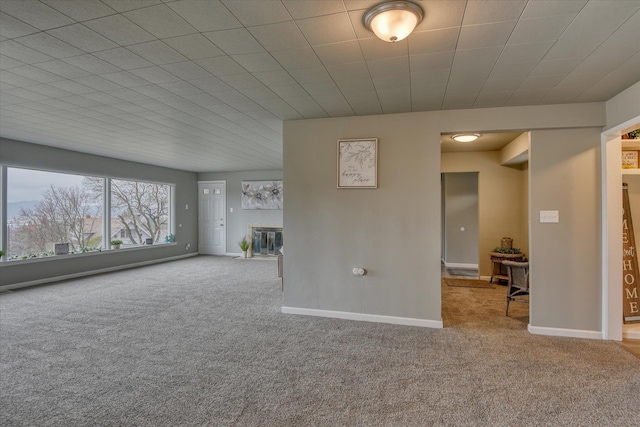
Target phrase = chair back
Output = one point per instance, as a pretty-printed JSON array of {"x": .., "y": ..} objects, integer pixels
[{"x": 518, "y": 274}]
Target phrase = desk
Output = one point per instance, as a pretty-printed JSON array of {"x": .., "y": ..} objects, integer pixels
[{"x": 499, "y": 271}]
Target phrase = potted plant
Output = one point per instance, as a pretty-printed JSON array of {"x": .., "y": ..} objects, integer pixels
[
  {"x": 115, "y": 244},
  {"x": 244, "y": 246},
  {"x": 1, "y": 253}
]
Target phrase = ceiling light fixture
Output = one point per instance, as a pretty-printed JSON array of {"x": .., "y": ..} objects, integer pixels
[
  {"x": 466, "y": 137},
  {"x": 393, "y": 21}
]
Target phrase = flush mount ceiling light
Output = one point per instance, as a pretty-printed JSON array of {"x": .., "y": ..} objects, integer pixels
[
  {"x": 466, "y": 137},
  {"x": 393, "y": 21}
]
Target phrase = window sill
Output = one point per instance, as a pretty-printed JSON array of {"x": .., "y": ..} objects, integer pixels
[{"x": 86, "y": 254}]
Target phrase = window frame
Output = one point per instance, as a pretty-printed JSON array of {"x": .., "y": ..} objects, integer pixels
[{"x": 105, "y": 247}]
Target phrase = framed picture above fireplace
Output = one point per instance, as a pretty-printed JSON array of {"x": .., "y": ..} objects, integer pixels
[
  {"x": 262, "y": 195},
  {"x": 358, "y": 163}
]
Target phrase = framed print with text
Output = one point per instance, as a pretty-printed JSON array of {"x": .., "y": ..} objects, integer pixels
[{"x": 358, "y": 163}]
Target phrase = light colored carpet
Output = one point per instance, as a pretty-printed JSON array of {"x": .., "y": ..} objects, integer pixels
[
  {"x": 202, "y": 342},
  {"x": 468, "y": 283}
]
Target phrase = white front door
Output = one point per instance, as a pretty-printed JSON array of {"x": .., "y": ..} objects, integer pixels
[{"x": 212, "y": 238}]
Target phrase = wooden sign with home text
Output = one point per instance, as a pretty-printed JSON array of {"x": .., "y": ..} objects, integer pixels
[{"x": 631, "y": 301}]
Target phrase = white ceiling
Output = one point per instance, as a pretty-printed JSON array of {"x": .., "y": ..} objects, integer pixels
[{"x": 204, "y": 85}]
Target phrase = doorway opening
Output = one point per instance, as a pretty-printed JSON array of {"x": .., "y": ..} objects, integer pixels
[
  {"x": 613, "y": 327},
  {"x": 490, "y": 176}
]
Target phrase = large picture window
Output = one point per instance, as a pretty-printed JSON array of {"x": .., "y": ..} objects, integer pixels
[
  {"x": 45, "y": 208},
  {"x": 139, "y": 211}
]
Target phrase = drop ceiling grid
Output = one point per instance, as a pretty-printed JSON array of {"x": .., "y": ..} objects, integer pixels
[{"x": 220, "y": 76}]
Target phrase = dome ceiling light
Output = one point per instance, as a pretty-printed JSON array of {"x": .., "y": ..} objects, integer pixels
[
  {"x": 466, "y": 137},
  {"x": 393, "y": 21}
]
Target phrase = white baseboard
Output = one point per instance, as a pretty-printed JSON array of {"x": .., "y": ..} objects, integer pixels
[
  {"x": 236, "y": 254},
  {"x": 462, "y": 266},
  {"x": 561, "y": 332},
  {"x": 364, "y": 317},
  {"x": 92, "y": 272},
  {"x": 487, "y": 278}
]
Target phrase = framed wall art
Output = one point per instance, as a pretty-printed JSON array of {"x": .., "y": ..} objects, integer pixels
[
  {"x": 358, "y": 163},
  {"x": 262, "y": 195}
]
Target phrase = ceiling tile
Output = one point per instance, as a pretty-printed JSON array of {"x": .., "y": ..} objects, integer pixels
[
  {"x": 122, "y": 58},
  {"x": 587, "y": 32},
  {"x": 7, "y": 63},
  {"x": 235, "y": 42},
  {"x": 433, "y": 41},
  {"x": 187, "y": 70},
  {"x": 120, "y": 30},
  {"x": 388, "y": 66},
  {"x": 194, "y": 46},
  {"x": 524, "y": 53},
  {"x": 126, "y": 5},
  {"x": 46, "y": 44},
  {"x": 81, "y": 10},
  {"x": 72, "y": 87},
  {"x": 439, "y": 14},
  {"x": 339, "y": 53},
  {"x": 62, "y": 69},
  {"x": 377, "y": 49},
  {"x": 311, "y": 75},
  {"x": 540, "y": 82},
  {"x": 82, "y": 37},
  {"x": 289, "y": 90},
  {"x": 505, "y": 70},
  {"x": 254, "y": 12},
  {"x": 11, "y": 27},
  {"x": 186, "y": 88},
  {"x": 156, "y": 52},
  {"x": 549, "y": 8},
  {"x": 91, "y": 64},
  {"x": 279, "y": 36},
  {"x": 351, "y": 71},
  {"x": 98, "y": 83},
  {"x": 242, "y": 81},
  {"x": 429, "y": 83},
  {"x": 160, "y": 21},
  {"x": 487, "y": 11},
  {"x": 297, "y": 58},
  {"x": 220, "y": 66},
  {"x": 155, "y": 75},
  {"x": 355, "y": 88},
  {"x": 125, "y": 79},
  {"x": 485, "y": 35},
  {"x": 209, "y": 15},
  {"x": 275, "y": 78},
  {"x": 50, "y": 91},
  {"x": 477, "y": 58},
  {"x": 209, "y": 85},
  {"x": 152, "y": 91},
  {"x": 257, "y": 62},
  {"x": 25, "y": 94},
  {"x": 35, "y": 14},
  {"x": 540, "y": 29},
  {"x": 431, "y": 61},
  {"x": 308, "y": 9},
  {"x": 327, "y": 29},
  {"x": 128, "y": 95},
  {"x": 551, "y": 67},
  {"x": 37, "y": 74}
]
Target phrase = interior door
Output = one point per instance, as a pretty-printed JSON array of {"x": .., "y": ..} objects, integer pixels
[{"x": 211, "y": 218}]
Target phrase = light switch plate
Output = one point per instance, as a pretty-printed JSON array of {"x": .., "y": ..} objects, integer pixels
[{"x": 549, "y": 217}]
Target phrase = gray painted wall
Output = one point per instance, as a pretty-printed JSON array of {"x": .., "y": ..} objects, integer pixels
[
  {"x": 238, "y": 219},
  {"x": 461, "y": 210},
  {"x": 22, "y": 154},
  {"x": 395, "y": 230},
  {"x": 392, "y": 231},
  {"x": 565, "y": 268}
]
